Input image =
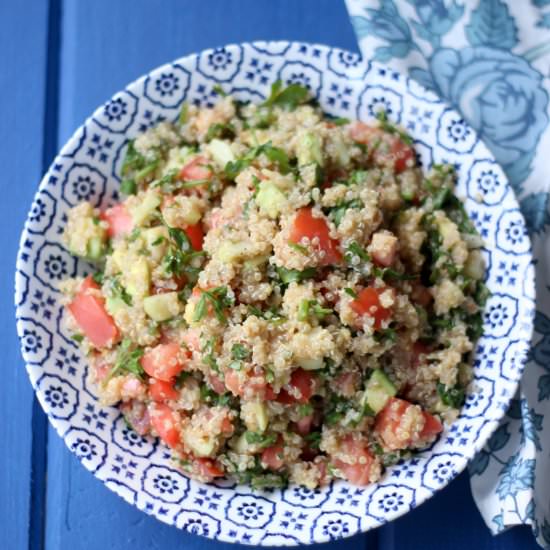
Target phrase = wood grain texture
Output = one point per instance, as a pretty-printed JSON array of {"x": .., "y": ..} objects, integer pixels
[
  {"x": 23, "y": 43},
  {"x": 66, "y": 57}
]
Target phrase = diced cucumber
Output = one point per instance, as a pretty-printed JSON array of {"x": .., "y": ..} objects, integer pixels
[
  {"x": 221, "y": 152},
  {"x": 310, "y": 364},
  {"x": 309, "y": 150},
  {"x": 162, "y": 307},
  {"x": 341, "y": 151},
  {"x": 138, "y": 278},
  {"x": 118, "y": 259},
  {"x": 203, "y": 445},
  {"x": 242, "y": 446},
  {"x": 230, "y": 252},
  {"x": 143, "y": 211},
  {"x": 114, "y": 305},
  {"x": 255, "y": 417},
  {"x": 155, "y": 240},
  {"x": 378, "y": 391},
  {"x": 270, "y": 199},
  {"x": 475, "y": 266},
  {"x": 95, "y": 248}
]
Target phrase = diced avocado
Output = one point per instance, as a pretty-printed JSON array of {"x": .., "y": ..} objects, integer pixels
[
  {"x": 138, "y": 278},
  {"x": 230, "y": 252},
  {"x": 143, "y": 211},
  {"x": 270, "y": 199},
  {"x": 310, "y": 364},
  {"x": 155, "y": 240},
  {"x": 221, "y": 152},
  {"x": 96, "y": 248},
  {"x": 379, "y": 390},
  {"x": 162, "y": 307},
  {"x": 308, "y": 149},
  {"x": 113, "y": 305},
  {"x": 256, "y": 418}
]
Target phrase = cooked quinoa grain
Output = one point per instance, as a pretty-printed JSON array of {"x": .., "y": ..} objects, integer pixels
[{"x": 280, "y": 296}]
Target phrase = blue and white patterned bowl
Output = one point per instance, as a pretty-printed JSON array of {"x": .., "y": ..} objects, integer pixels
[{"x": 138, "y": 469}]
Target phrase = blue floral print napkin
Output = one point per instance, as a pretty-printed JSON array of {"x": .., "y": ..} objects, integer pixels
[{"x": 490, "y": 59}]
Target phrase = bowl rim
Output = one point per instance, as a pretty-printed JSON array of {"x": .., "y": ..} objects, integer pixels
[{"x": 258, "y": 44}]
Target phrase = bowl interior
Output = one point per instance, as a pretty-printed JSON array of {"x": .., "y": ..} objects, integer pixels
[{"x": 139, "y": 469}]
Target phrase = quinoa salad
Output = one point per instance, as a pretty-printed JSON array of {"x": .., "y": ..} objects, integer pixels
[{"x": 279, "y": 296}]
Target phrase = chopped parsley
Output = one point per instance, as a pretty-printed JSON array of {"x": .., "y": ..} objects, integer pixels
[
  {"x": 118, "y": 291},
  {"x": 293, "y": 275},
  {"x": 128, "y": 360},
  {"x": 312, "y": 307},
  {"x": 240, "y": 351},
  {"x": 338, "y": 212},
  {"x": 453, "y": 397},
  {"x": 350, "y": 292},
  {"x": 128, "y": 187},
  {"x": 220, "y": 131},
  {"x": 298, "y": 247},
  {"x": 260, "y": 439},
  {"x": 287, "y": 98},
  {"x": 274, "y": 154},
  {"x": 388, "y": 127},
  {"x": 217, "y": 298}
]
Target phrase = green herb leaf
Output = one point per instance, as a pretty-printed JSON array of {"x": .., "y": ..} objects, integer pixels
[
  {"x": 219, "y": 90},
  {"x": 305, "y": 409},
  {"x": 118, "y": 291},
  {"x": 350, "y": 292},
  {"x": 98, "y": 277},
  {"x": 453, "y": 397},
  {"x": 128, "y": 360},
  {"x": 293, "y": 275},
  {"x": 220, "y": 131},
  {"x": 128, "y": 187},
  {"x": 184, "y": 113},
  {"x": 391, "y": 129},
  {"x": 260, "y": 439},
  {"x": 218, "y": 299},
  {"x": 355, "y": 250},
  {"x": 287, "y": 98},
  {"x": 240, "y": 351},
  {"x": 338, "y": 212},
  {"x": 78, "y": 337},
  {"x": 387, "y": 273},
  {"x": 133, "y": 160},
  {"x": 313, "y": 439}
]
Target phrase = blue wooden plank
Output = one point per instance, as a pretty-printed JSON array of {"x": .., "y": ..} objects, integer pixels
[{"x": 23, "y": 43}]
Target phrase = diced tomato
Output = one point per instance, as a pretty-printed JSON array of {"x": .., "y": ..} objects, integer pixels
[
  {"x": 303, "y": 426},
  {"x": 119, "y": 220},
  {"x": 161, "y": 390},
  {"x": 91, "y": 316},
  {"x": 306, "y": 225},
  {"x": 357, "y": 472},
  {"x": 132, "y": 388},
  {"x": 399, "y": 153},
  {"x": 164, "y": 361},
  {"x": 255, "y": 386},
  {"x": 137, "y": 415},
  {"x": 233, "y": 382},
  {"x": 302, "y": 383},
  {"x": 421, "y": 295},
  {"x": 164, "y": 421},
  {"x": 395, "y": 425},
  {"x": 273, "y": 457},
  {"x": 418, "y": 349},
  {"x": 432, "y": 426},
  {"x": 208, "y": 468},
  {"x": 402, "y": 154},
  {"x": 368, "y": 303},
  {"x": 191, "y": 338},
  {"x": 363, "y": 133},
  {"x": 217, "y": 384},
  {"x": 346, "y": 383},
  {"x": 196, "y": 169},
  {"x": 383, "y": 248},
  {"x": 195, "y": 235}
]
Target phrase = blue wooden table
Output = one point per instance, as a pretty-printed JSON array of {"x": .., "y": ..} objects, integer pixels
[{"x": 59, "y": 60}]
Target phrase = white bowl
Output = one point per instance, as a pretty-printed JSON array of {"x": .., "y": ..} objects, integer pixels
[{"x": 139, "y": 469}]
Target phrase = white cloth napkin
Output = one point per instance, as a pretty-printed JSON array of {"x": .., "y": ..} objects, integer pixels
[{"x": 490, "y": 59}]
